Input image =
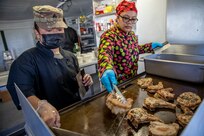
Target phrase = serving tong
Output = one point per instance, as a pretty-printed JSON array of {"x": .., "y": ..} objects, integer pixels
[{"x": 118, "y": 93}]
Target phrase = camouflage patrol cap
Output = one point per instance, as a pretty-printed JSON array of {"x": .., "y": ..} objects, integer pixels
[{"x": 48, "y": 17}]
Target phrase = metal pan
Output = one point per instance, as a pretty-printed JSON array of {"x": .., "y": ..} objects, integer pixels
[{"x": 183, "y": 67}]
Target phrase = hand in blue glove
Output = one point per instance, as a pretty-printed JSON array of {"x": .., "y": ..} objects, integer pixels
[
  {"x": 108, "y": 78},
  {"x": 156, "y": 44}
]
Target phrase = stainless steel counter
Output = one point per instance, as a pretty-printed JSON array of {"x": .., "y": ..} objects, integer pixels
[
  {"x": 4, "y": 75},
  {"x": 183, "y": 67},
  {"x": 185, "y": 49}
]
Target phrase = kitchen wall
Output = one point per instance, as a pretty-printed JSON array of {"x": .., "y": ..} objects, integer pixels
[
  {"x": 151, "y": 25},
  {"x": 185, "y": 22},
  {"x": 19, "y": 37}
]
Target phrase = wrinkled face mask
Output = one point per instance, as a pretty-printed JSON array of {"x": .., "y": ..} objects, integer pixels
[{"x": 52, "y": 41}]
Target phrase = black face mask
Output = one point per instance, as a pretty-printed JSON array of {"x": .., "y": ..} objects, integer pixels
[{"x": 52, "y": 41}]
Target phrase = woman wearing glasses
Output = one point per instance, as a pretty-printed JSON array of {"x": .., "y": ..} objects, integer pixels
[{"x": 119, "y": 50}]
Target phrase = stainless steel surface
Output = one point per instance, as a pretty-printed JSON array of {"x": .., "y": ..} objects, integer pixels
[
  {"x": 34, "y": 125},
  {"x": 185, "y": 49},
  {"x": 183, "y": 67},
  {"x": 63, "y": 132},
  {"x": 119, "y": 93},
  {"x": 185, "y": 22},
  {"x": 195, "y": 127},
  {"x": 93, "y": 118}
]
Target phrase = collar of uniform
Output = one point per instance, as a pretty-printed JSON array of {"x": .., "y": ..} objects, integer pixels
[
  {"x": 48, "y": 51},
  {"x": 120, "y": 31},
  {"x": 44, "y": 50}
]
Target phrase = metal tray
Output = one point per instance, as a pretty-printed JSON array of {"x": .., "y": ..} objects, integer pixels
[
  {"x": 93, "y": 118},
  {"x": 185, "y": 49},
  {"x": 182, "y": 67}
]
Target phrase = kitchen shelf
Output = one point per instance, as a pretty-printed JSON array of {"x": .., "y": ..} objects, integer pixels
[
  {"x": 106, "y": 14},
  {"x": 87, "y": 36},
  {"x": 89, "y": 45}
]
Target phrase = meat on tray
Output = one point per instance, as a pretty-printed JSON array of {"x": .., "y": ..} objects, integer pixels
[
  {"x": 116, "y": 105},
  {"x": 139, "y": 116},
  {"x": 154, "y": 88},
  {"x": 165, "y": 94},
  {"x": 152, "y": 103},
  {"x": 161, "y": 129},
  {"x": 183, "y": 119},
  {"x": 186, "y": 110},
  {"x": 189, "y": 99},
  {"x": 144, "y": 82}
]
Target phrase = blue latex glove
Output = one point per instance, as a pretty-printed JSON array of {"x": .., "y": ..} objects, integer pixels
[
  {"x": 108, "y": 78},
  {"x": 156, "y": 44}
]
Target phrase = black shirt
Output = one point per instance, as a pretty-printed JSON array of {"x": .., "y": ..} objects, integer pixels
[{"x": 37, "y": 72}]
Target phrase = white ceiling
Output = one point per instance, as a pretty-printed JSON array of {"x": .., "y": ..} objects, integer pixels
[{"x": 22, "y": 9}]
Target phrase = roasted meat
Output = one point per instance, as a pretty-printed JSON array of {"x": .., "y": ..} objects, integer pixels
[
  {"x": 153, "y": 103},
  {"x": 165, "y": 94},
  {"x": 183, "y": 119},
  {"x": 139, "y": 116},
  {"x": 116, "y": 105},
  {"x": 186, "y": 110},
  {"x": 144, "y": 82},
  {"x": 189, "y": 99},
  {"x": 161, "y": 129},
  {"x": 154, "y": 88}
]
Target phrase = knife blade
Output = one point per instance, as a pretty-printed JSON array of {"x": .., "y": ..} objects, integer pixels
[{"x": 119, "y": 93}]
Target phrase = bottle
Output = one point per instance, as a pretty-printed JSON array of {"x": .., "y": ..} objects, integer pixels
[
  {"x": 77, "y": 49},
  {"x": 108, "y": 25},
  {"x": 8, "y": 60}
]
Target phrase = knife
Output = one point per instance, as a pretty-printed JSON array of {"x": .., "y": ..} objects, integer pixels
[{"x": 119, "y": 93}]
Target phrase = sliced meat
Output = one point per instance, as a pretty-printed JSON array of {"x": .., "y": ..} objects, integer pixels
[
  {"x": 161, "y": 129},
  {"x": 139, "y": 116},
  {"x": 144, "y": 82},
  {"x": 152, "y": 103},
  {"x": 154, "y": 88}
]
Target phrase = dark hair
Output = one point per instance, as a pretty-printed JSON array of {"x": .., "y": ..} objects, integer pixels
[
  {"x": 64, "y": 20},
  {"x": 36, "y": 27}
]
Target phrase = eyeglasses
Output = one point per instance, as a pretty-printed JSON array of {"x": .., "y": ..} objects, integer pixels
[{"x": 126, "y": 19}]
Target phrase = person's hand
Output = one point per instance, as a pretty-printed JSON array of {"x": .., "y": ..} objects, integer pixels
[
  {"x": 48, "y": 113},
  {"x": 156, "y": 44},
  {"x": 108, "y": 78},
  {"x": 87, "y": 80}
]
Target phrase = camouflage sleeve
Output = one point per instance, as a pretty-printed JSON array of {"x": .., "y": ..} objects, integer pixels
[
  {"x": 105, "y": 53},
  {"x": 145, "y": 48}
]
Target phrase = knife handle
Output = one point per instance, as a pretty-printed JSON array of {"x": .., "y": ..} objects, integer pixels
[{"x": 83, "y": 74}]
